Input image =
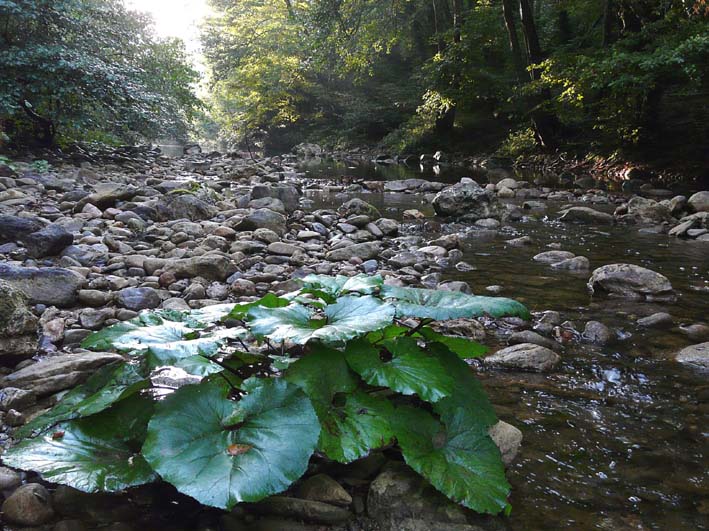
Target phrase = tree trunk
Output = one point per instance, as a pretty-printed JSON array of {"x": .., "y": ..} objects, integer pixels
[
  {"x": 531, "y": 39},
  {"x": 545, "y": 123},
  {"x": 608, "y": 23},
  {"x": 457, "y": 19},
  {"x": 45, "y": 126},
  {"x": 508, "y": 14}
]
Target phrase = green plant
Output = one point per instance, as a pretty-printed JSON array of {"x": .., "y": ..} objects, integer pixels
[
  {"x": 338, "y": 368},
  {"x": 41, "y": 166},
  {"x": 6, "y": 161}
]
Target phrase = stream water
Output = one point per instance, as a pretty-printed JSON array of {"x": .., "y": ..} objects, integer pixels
[{"x": 616, "y": 437}]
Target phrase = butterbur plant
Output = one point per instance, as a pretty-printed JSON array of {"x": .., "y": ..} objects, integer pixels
[{"x": 229, "y": 403}]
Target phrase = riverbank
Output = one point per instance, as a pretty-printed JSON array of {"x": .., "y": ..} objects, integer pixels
[{"x": 135, "y": 231}]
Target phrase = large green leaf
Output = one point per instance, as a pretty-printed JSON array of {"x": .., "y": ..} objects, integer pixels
[
  {"x": 353, "y": 422},
  {"x": 467, "y": 391},
  {"x": 240, "y": 311},
  {"x": 349, "y": 317},
  {"x": 353, "y": 425},
  {"x": 134, "y": 335},
  {"x": 322, "y": 373},
  {"x": 166, "y": 341},
  {"x": 442, "y": 305},
  {"x": 409, "y": 371},
  {"x": 340, "y": 285},
  {"x": 465, "y": 348},
  {"x": 455, "y": 454},
  {"x": 223, "y": 452},
  {"x": 108, "y": 385},
  {"x": 96, "y": 453}
]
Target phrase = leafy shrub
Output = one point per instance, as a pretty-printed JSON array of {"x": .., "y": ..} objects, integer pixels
[
  {"x": 519, "y": 143},
  {"x": 338, "y": 368},
  {"x": 41, "y": 166}
]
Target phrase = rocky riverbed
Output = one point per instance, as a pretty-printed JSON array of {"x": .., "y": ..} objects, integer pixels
[{"x": 617, "y": 350}]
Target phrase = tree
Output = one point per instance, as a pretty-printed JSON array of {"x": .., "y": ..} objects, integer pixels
[{"x": 83, "y": 68}]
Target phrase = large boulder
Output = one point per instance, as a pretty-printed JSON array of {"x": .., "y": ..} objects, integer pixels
[
  {"x": 287, "y": 194},
  {"x": 49, "y": 241},
  {"x": 15, "y": 228},
  {"x": 695, "y": 355},
  {"x": 631, "y": 282},
  {"x": 525, "y": 356},
  {"x": 585, "y": 215},
  {"x": 357, "y": 207},
  {"x": 18, "y": 325},
  {"x": 699, "y": 202},
  {"x": 642, "y": 210},
  {"x": 30, "y": 505},
  {"x": 263, "y": 218},
  {"x": 107, "y": 195},
  {"x": 137, "y": 299},
  {"x": 57, "y": 373},
  {"x": 185, "y": 206},
  {"x": 52, "y": 286},
  {"x": 211, "y": 266},
  {"x": 364, "y": 251},
  {"x": 467, "y": 198}
]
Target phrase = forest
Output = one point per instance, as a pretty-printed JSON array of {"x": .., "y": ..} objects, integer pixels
[{"x": 615, "y": 77}]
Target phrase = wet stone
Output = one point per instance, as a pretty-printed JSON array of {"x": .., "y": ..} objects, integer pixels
[{"x": 29, "y": 505}]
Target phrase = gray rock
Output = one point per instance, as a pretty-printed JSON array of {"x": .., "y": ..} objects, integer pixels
[
  {"x": 185, "y": 206},
  {"x": 287, "y": 194},
  {"x": 468, "y": 199},
  {"x": 93, "y": 297},
  {"x": 264, "y": 218},
  {"x": 553, "y": 257},
  {"x": 585, "y": 215},
  {"x": 644, "y": 211},
  {"x": 106, "y": 195},
  {"x": 284, "y": 249},
  {"x": 527, "y": 336},
  {"x": 525, "y": 356},
  {"x": 577, "y": 263},
  {"x": 508, "y": 439},
  {"x": 208, "y": 266},
  {"x": 699, "y": 202},
  {"x": 597, "y": 333},
  {"x": 137, "y": 299},
  {"x": 631, "y": 282},
  {"x": 59, "y": 372},
  {"x": 30, "y": 505},
  {"x": 50, "y": 241},
  {"x": 16, "y": 319},
  {"x": 695, "y": 355},
  {"x": 87, "y": 254},
  {"x": 363, "y": 251},
  {"x": 50, "y": 285},
  {"x": 696, "y": 331},
  {"x": 15, "y": 228},
  {"x": 299, "y": 509},
  {"x": 14, "y": 398},
  {"x": 323, "y": 488},
  {"x": 399, "y": 493},
  {"x": 9, "y": 479},
  {"x": 357, "y": 206},
  {"x": 660, "y": 320}
]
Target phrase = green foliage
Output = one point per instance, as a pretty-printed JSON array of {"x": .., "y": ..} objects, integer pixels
[
  {"x": 337, "y": 367},
  {"x": 349, "y": 71},
  {"x": 83, "y": 69},
  {"x": 41, "y": 166}
]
